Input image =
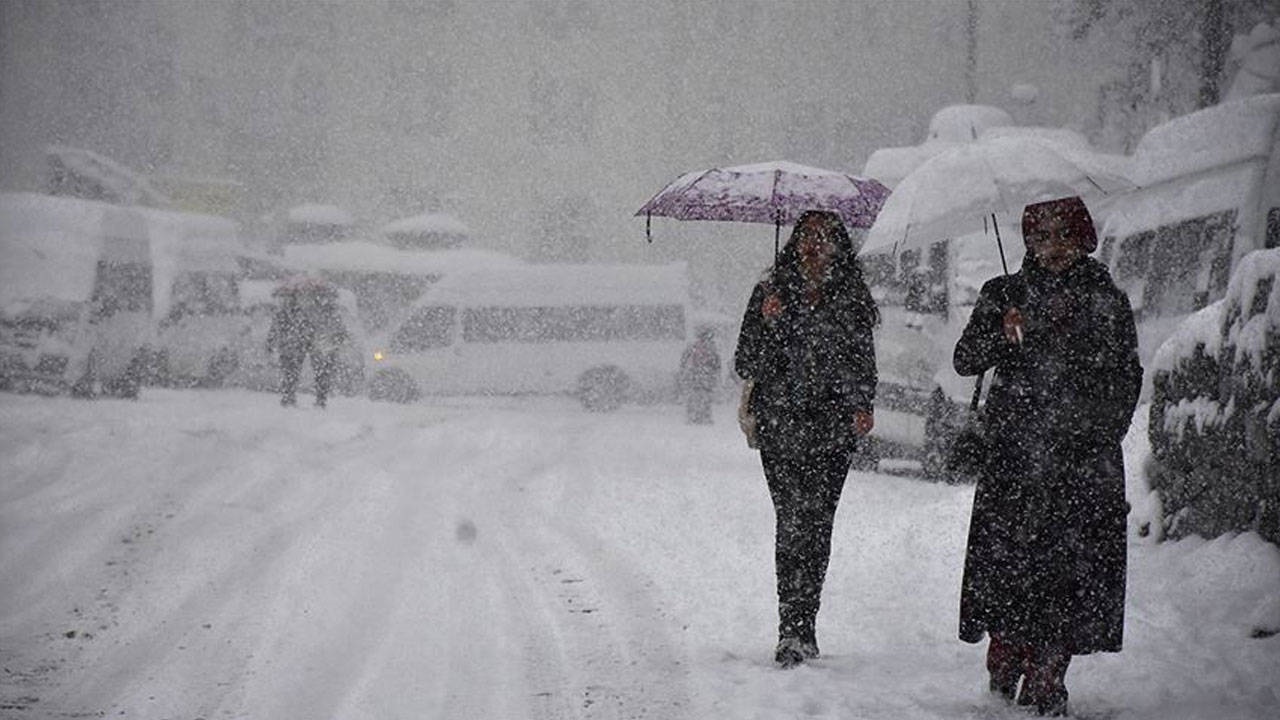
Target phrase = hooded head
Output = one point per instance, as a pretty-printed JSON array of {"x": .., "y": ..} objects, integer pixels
[{"x": 1074, "y": 220}]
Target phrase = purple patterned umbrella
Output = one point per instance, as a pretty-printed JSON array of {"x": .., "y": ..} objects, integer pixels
[{"x": 773, "y": 192}]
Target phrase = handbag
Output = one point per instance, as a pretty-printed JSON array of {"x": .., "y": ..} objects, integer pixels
[
  {"x": 747, "y": 421},
  {"x": 967, "y": 455}
]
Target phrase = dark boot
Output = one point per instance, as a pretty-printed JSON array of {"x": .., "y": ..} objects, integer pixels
[
  {"x": 1045, "y": 686},
  {"x": 789, "y": 653},
  {"x": 1006, "y": 661}
]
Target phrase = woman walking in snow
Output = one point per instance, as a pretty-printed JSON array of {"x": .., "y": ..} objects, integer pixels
[
  {"x": 1044, "y": 572},
  {"x": 806, "y": 349}
]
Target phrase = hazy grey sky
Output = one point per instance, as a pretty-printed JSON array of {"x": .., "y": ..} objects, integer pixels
[{"x": 542, "y": 124}]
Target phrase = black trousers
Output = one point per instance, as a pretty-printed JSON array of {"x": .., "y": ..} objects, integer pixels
[
  {"x": 806, "y": 471},
  {"x": 322, "y": 363}
]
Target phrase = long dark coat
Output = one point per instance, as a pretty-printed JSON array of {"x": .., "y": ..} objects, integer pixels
[{"x": 1045, "y": 561}]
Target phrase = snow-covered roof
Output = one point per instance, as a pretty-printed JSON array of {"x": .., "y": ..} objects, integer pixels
[
  {"x": 963, "y": 123},
  {"x": 367, "y": 256},
  {"x": 890, "y": 165},
  {"x": 554, "y": 285},
  {"x": 1220, "y": 135},
  {"x": 1168, "y": 203},
  {"x": 440, "y": 223},
  {"x": 49, "y": 246},
  {"x": 317, "y": 214},
  {"x": 128, "y": 186}
]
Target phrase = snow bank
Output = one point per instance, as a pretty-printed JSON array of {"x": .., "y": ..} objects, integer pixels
[
  {"x": 318, "y": 214},
  {"x": 367, "y": 256}
]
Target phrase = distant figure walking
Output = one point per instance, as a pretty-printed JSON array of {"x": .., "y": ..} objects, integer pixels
[
  {"x": 1044, "y": 574},
  {"x": 306, "y": 325},
  {"x": 699, "y": 375},
  {"x": 807, "y": 352}
]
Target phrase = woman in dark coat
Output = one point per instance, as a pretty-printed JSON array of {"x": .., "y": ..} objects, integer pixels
[
  {"x": 806, "y": 346},
  {"x": 1044, "y": 572}
]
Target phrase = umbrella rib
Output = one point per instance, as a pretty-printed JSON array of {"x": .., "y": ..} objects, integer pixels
[
  {"x": 696, "y": 180},
  {"x": 677, "y": 196}
]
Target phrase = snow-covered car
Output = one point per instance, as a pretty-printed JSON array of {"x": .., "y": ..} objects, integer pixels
[{"x": 1215, "y": 410}]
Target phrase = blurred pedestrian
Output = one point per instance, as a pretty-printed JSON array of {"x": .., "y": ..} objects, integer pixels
[
  {"x": 307, "y": 324},
  {"x": 806, "y": 351},
  {"x": 699, "y": 375},
  {"x": 1044, "y": 574}
]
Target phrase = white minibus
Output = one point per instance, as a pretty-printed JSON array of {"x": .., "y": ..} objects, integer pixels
[{"x": 604, "y": 333}]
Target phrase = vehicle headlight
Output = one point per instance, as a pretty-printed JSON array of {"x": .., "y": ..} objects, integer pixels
[{"x": 377, "y": 355}]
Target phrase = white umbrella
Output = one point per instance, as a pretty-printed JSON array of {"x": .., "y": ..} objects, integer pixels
[{"x": 955, "y": 192}]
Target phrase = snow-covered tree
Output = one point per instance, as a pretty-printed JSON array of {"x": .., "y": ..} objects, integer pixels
[{"x": 1178, "y": 53}]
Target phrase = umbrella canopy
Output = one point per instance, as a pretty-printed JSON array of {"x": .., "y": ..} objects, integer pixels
[
  {"x": 303, "y": 286},
  {"x": 955, "y": 192},
  {"x": 773, "y": 192}
]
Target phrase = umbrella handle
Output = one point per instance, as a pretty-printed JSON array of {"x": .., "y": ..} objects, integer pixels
[
  {"x": 777, "y": 232},
  {"x": 648, "y": 222},
  {"x": 999, "y": 244}
]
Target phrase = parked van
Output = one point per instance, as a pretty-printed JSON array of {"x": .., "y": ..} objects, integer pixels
[
  {"x": 136, "y": 277},
  {"x": 1209, "y": 193},
  {"x": 76, "y": 295},
  {"x": 200, "y": 319},
  {"x": 605, "y": 333}
]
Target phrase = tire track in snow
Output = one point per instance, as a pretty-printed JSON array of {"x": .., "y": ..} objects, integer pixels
[{"x": 596, "y": 641}]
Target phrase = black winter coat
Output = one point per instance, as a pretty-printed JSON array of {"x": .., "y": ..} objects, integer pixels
[
  {"x": 1045, "y": 561},
  {"x": 813, "y": 367}
]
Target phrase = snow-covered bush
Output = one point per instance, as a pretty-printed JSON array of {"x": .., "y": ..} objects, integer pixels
[{"x": 1215, "y": 412}]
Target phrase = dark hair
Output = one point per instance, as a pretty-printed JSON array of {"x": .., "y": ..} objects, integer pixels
[{"x": 847, "y": 283}]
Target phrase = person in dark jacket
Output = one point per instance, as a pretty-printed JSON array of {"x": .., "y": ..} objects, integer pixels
[
  {"x": 307, "y": 324},
  {"x": 699, "y": 374},
  {"x": 806, "y": 349},
  {"x": 1044, "y": 573}
]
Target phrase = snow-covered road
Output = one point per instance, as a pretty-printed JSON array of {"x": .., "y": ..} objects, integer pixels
[{"x": 211, "y": 555}]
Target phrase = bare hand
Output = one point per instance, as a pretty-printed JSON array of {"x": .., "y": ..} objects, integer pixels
[
  {"x": 864, "y": 421},
  {"x": 771, "y": 307},
  {"x": 1013, "y": 326}
]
